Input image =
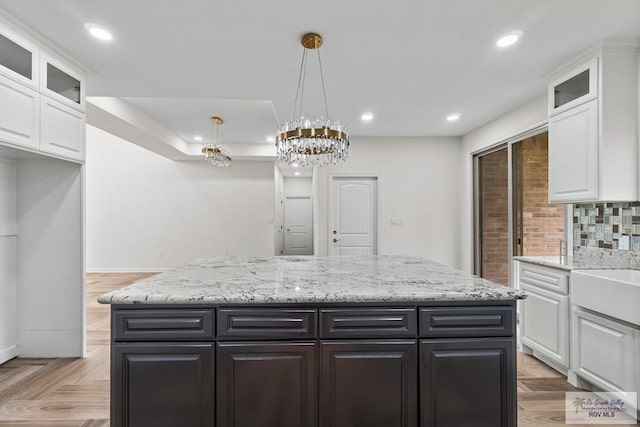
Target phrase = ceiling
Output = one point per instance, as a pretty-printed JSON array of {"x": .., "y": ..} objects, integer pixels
[{"x": 409, "y": 62}]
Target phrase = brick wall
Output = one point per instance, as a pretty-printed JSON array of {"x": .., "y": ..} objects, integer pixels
[
  {"x": 494, "y": 194},
  {"x": 542, "y": 224}
]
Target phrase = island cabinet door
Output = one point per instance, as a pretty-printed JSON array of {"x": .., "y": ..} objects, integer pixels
[
  {"x": 368, "y": 383},
  {"x": 467, "y": 382},
  {"x": 266, "y": 384},
  {"x": 162, "y": 385}
]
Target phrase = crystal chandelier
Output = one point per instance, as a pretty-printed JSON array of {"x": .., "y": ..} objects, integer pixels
[
  {"x": 213, "y": 152},
  {"x": 311, "y": 142}
]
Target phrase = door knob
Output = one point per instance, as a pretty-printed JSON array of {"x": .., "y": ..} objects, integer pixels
[{"x": 336, "y": 240}]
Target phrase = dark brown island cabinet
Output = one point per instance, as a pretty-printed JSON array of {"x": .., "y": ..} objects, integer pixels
[{"x": 440, "y": 364}]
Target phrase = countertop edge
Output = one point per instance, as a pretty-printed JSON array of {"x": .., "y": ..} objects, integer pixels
[
  {"x": 544, "y": 262},
  {"x": 518, "y": 295}
]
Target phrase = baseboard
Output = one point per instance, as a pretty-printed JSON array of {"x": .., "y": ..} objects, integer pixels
[
  {"x": 8, "y": 354},
  {"x": 129, "y": 270}
]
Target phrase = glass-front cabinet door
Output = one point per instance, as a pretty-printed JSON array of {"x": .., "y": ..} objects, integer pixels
[
  {"x": 574, "y": 88},
  {"x": 18, "y": 58},
  {"x": 61, "y": 83}
]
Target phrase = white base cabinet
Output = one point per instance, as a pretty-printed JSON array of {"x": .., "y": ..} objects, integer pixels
[
  {"x": 544, "y": 314},
  {"x": 604, "y": 352}
]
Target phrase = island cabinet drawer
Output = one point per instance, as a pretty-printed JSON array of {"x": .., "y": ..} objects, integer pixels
[
  {"x": 269, "y": 323},
  {"x": 542, "y": 277},
  {"x": 368, "y": 322},
  {"x": 164, "y": 325},
  {"x": 453, "y": 322}
]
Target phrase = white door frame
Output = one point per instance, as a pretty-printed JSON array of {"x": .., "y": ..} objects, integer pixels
[{"x": 331, "y": 201}]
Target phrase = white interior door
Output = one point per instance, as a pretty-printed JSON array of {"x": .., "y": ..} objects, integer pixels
[
  {"x": 298, "y": 238},
  {"x": 353, "y": 221}
]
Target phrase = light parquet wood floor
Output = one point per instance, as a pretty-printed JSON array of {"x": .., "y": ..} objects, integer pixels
[
  {"x": 65, "y": 392},
  {"x": 75, "y": 392}
]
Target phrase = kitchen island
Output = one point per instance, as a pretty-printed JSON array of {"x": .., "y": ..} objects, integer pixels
[{"x": 313, "y": 341}]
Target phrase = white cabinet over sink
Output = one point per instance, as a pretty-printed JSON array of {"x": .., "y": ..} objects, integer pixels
[{"x": 593, "y": 126}]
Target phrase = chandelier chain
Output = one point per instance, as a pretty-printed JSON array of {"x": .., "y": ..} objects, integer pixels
[
  {"x": 300, "y": 88},
  {"x": 324, "y": 91}
]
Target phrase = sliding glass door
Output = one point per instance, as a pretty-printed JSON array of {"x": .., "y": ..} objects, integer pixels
[{"x": 512, "y": 216}]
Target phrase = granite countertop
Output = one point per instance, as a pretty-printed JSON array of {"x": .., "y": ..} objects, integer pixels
[
  {"x": 310, "y": 279},
  {"x": 565, "y": 263},
  {"x": 588, "y": 259}
]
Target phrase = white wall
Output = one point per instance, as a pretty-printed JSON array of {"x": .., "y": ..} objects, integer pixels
[
  {"x": 528, "y": 116},
  {"x": 419, "y": 183},
  {"x": 297, "y": 187},
  {"x": 148, "y": 213},
  {"x": 8, "y": 231}
]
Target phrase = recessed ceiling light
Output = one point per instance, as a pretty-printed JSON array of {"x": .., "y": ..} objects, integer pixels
[
  {"x": 295, "y": 165},
  {"x": 197, "y": 138},
  {"x": 509, "y": 39},
  {"x": 271, "y": 138},
  {"x": 367, "y": 117},
  {"x": 98, "y": 32},
  {"x": 453, "y": 117},
  {"x": 296, "y": 173}
]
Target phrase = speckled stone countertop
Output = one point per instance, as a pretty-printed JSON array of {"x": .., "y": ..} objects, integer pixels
[
  {"x": 588, "y": 259},
  {"x": 310, "y": 279},
  {"x": 566, "y": 263}
]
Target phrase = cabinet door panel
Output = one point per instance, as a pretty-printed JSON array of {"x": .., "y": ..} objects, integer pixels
[
  {"x": 368, "y": 383},
  {"x": 603, "y": 351},
  {"x": 63, "y": 130},
  {"x": 266, "y": 384},
  {"x": 162, "y": 385},
  {"x": 544, "y": 317},
  {"x": 467, "y": 383},
  {"x": 19, "y": 114},
  {"x": 573, "y": 154}
]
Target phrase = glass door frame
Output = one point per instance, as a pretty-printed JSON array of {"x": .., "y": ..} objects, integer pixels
[{"x": 477, "y": 219}]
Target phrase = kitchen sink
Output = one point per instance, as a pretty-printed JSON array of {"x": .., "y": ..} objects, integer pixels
[{"x": 615, "y": 293}]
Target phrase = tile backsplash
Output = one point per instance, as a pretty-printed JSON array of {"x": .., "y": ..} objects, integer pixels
[{"x": 607, "y": 225}]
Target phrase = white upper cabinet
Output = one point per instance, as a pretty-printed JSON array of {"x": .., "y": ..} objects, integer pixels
[
  {"x": 42, "y": 98},
  {"x": 574, "y": 179},
  {"x": 593, "y": 126},
  {"x": 19, "y": 114},
  {"x": 574, "y": 88},
  {"x": 19, "y": 58},
  {"x": 62, "y": 83},
  {"x": 62, "y": 130}
]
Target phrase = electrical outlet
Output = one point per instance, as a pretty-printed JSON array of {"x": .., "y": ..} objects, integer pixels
[{"x": 623, "y": 242}]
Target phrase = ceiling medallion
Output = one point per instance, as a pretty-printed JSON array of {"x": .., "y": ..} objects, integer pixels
[
  {"x": 214, "y": 152},
  {"x": 311, "y": 142}
]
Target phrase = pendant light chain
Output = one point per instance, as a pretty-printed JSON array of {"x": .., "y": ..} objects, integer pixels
[
  {"x": 324, "y": 92},
  {"x": 300, "y": 87}
]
